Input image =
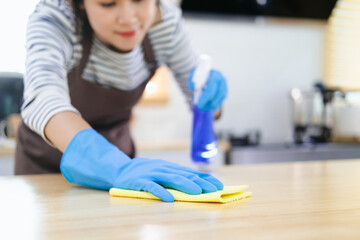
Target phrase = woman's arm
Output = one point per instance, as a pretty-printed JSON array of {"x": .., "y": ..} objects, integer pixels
[
  {"x": 52, "y": 50},
  {"x": 182, "y": 60},
  {"x": 62, "y": 127}
]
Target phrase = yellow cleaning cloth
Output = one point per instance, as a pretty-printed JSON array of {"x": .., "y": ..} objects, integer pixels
[{"x": 228, "y": 194}]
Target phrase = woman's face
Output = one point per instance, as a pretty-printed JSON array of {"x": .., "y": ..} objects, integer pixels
[{"x": 121, "y": 24}]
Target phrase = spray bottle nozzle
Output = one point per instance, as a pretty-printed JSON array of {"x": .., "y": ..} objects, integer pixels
[{"x": 201, "y": 75}]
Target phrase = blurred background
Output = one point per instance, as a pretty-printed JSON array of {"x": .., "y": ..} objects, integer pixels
[{"x": 292, "y": 73}]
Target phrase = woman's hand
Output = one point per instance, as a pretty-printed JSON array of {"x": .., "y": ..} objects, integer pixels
[
  {"x": 90, "y": 160},
  {"x": 213, "y": 94},
  {"x": 152, "y": 175}
]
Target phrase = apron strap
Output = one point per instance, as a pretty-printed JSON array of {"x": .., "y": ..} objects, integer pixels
[{"x": 149, "y": 55}]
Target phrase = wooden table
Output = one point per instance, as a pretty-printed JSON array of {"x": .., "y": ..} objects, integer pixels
[{"x": 312, "y": 200}]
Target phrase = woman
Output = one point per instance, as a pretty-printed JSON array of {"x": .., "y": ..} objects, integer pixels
[{"x": 88, "y": 62}]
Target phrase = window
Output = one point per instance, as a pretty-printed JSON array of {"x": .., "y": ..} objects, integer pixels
[{"x": 342, "y": 46}]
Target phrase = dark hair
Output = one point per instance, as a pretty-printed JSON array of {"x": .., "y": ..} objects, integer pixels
[{"x": 82, "y": 21}]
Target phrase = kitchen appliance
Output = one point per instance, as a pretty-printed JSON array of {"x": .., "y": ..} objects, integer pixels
[
  {"x": 347, "y": 118},
  {"x": 313, "y": 113}
]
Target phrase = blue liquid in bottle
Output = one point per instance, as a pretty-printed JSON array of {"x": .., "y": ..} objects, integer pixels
[{"x": 204, "y": 143}]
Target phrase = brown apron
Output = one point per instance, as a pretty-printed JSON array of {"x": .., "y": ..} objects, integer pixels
[{"x": 107, "y": 110}]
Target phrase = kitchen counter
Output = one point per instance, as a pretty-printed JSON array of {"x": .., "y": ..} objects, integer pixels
[
  {"x": 269, "y": 153},
  {"x": 301, "y": 200}
]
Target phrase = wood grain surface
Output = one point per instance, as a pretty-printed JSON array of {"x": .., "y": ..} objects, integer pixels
[{"x": 301, "y": 200}]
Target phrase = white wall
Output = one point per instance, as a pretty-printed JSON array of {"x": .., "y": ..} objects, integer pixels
[
  {"x": 13, "y": 19},
  {"x": 262, "y": 62}
]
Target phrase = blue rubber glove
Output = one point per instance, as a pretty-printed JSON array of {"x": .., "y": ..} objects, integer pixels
[
  {"x": 90, "y": 160},
  {"x": 213, "y": 94}
]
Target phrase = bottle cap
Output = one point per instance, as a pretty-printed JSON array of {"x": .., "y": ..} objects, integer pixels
[{"x": 201, "y": 75}]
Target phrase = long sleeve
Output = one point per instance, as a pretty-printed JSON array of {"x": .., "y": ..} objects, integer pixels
[
  {"x": 182, "y": 57},
  {"x": 54, "y": 49},
  {"x": 50, "y": 52}
]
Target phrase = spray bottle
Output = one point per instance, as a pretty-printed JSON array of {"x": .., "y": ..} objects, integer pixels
[{"x": 204, "y": 143}]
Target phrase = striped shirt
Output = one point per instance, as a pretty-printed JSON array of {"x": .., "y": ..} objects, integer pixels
[{"x": 54, "y": 49}]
